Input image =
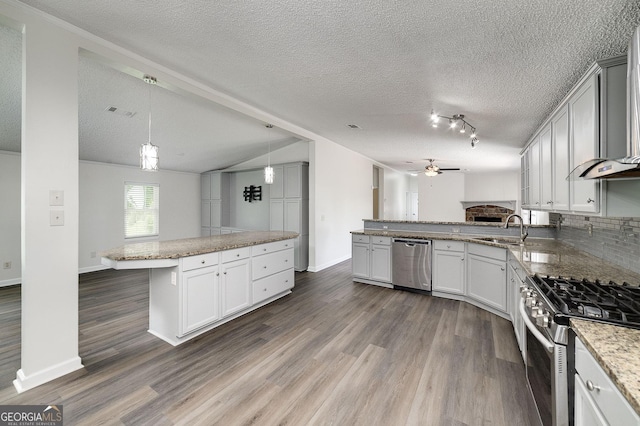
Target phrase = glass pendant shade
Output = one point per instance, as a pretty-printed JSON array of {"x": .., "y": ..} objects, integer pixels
[
  {"x": 149, "y": 157},
  {"x": 268, "y": 175},
  {"x": 431, "y": 173}
]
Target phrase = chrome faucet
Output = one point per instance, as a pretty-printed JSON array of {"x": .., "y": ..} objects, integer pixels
[{"x": 523, "y": 228}]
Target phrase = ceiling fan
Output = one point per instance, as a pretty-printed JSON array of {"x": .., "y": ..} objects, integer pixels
[{"x": 433, "y": 170}]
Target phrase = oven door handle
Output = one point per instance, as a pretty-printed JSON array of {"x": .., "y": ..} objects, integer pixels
[{"x": 549, "y": 346}]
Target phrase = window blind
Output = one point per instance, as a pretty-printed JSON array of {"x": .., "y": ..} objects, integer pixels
[{"x": 141, "y": 210}]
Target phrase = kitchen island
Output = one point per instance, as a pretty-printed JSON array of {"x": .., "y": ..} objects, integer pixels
[{"x": 197, "y": 284}]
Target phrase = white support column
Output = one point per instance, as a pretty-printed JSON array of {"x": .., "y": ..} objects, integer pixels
[{"x": 49, "y": 232}]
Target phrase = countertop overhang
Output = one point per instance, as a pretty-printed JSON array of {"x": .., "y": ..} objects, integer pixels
[{"x": 166, "y": 253}]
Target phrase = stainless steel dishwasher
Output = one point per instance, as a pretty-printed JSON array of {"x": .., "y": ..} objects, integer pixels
[{"x": 411, "y": 264}]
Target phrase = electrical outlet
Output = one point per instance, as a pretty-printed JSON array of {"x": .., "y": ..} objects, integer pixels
[
  {"x": 174, "y": 278},
  {"x": 6, "y": 265}
]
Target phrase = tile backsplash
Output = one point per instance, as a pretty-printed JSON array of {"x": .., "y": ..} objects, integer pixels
[{"x": 616, "y": 240}]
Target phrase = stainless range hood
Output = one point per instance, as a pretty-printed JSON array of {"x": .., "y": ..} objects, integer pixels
[{"x": 629, "y": 166}]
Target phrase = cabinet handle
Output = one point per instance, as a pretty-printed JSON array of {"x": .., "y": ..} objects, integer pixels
[
  {"x": 264, "y": 267},
  {"x": 225, "y": 272},
  {"x": 462, "y": 259},
  {"x": 448, "y": 247},
  {"x": 217, "y": 274},
  {"x": 286, "y": 260},
  {"x": 589, "y": 200},
  {"x": 591, "y": 386},
  {"x": 286, "y": 281},
  {"x": 264, "y": 289},
  {"x": 202, "y": 261},
  {"x": 502, "y": 269},
  {"x": 264, "y": 249},
  {"x": 549, "y": 202},
  {"x": 237, "y": 254}
]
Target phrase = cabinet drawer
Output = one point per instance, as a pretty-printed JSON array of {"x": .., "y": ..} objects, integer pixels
[
  {"x": 199, "y": 261},
  {"x": 386, "y": 241},
  {"x": 358, "y": 238},
  {"x": 269, "y": 264},
  {"x": 271, "y": 247},
  {"x": 235, "y": 254},
  {"x": 518, "y": 269},
  {"x": 272, "y": 285},
  {"x": 608, "y": 398},
  {"x": 496, "y": 253},
  {"x": 447, "y": 245}
]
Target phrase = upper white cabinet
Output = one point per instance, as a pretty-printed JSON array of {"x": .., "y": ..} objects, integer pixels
[
  {"x": 215, "y": 205},
  {"x": 584, "y": 146},
  {"x": 588, "y": 123}
]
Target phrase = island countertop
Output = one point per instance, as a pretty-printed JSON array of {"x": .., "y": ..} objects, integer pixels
[{"x": 175, "y": 249}]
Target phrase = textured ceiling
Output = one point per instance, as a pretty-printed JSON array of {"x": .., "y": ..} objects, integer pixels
[{"x": 380, "y": 64}]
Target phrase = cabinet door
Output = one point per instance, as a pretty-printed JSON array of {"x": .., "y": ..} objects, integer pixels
[
  {"x": 293, "y": 181},
  {"x": 200, "y": 298},
  {"x": 293, "y": 216},
  {"x": 360, "y": 260},
  {"x": 276, "y": 189},
  {"x": 205, "y": 214},
  {"x": 524, "y": 179},
  {"x": 583, "y": 122},
  {"x": 486, "y": 281},
  {"x": 546, "y": 169},
  {"x": 380, "y": 263},
  {"x": 216, "y": 185},
  {"x": 276, "y": 215},
  {"x": 448, "y": 271},
  {"x": 586, "y": 413},
  {"x": 560, "y": 136},
  {"x": 216, "y": 213},
  {"x": 235, "y": 286},
  {"x": 205, "y": 186},
  {"x": 534, "y": 174}
]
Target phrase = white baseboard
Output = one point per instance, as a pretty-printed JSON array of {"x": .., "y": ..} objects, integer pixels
[
  {"x": 12, "y": 281},
  {"x": 329, "y": 264},
  {"x": 23, "y": 383},
  {"x": 92, "y": 269}
]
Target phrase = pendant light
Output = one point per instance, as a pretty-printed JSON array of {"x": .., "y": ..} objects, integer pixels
[
  {"x": 268, "y": 171},
  {"x": 148, "y": 151}
]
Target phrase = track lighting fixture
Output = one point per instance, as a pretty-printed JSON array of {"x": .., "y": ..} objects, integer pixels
[{"x": 455, "y": 121}]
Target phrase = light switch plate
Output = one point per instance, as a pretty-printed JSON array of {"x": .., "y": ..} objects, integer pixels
[
  {"x": 56, "y": 217},
  {"x": 56, "y": 198}
]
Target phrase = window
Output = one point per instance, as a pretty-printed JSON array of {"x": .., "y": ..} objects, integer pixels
[{"x": 141, "y": 209}]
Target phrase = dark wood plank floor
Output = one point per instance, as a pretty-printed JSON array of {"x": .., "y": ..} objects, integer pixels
[{"x": 333, "y": 352}]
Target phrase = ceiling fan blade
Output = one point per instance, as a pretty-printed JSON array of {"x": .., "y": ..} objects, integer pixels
[{"x": 454, "y": 168}]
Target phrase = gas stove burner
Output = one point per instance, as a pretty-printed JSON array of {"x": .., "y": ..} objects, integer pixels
[{"x": 592, "y": 312}]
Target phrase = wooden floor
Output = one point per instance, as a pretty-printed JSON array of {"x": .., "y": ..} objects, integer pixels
[{"x": 333, "y": 352}]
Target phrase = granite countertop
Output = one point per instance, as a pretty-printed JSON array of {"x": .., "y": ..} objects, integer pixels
[
  {"x": 616, "y": 349},
  {"x": 175, "y": 249},
  {"x": 542, "y": 256}
]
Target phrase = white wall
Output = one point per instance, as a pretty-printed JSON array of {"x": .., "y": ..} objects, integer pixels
[
  {"x": 396, "y": 186},
  {"x": 244, "y": 214},
  {"x": 102, "y": 207},
  {"x": 101, "y": 210},
  {"x": 439, "y": 197},
  {"x": 341, "y": 197},
  {"x": 10, "y": 217},
  {"x": 494, "y": 186}
]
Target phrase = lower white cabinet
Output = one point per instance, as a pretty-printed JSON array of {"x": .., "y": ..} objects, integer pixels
[
  {"x": 371, "y": 259},
  {"x": 449, "y": 267},
  {"x": 235, "y": 282},
  {"x": 200, "y": 300},
  {"x": 207, "y": 290},
  {"x": 597, "y": 401},
  {"x": 487, "y": 276}
]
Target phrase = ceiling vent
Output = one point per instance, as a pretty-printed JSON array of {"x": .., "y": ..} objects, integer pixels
[
  {"x": 120, "y": 111},
  {"x": 353, "y": 126}
]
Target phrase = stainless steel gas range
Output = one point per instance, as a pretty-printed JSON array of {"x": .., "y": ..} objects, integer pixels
[{"x": 547, "y": 304}]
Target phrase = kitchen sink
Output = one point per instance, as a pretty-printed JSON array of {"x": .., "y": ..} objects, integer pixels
[{"x": 509, "y": 242}]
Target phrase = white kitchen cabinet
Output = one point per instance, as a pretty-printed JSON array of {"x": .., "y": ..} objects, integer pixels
[
  {"x": 200, "y": 298},
  {"x": 546, "y": 169},
  {"x": 207, "y": 290},
  {"x": 560, "y": 138},
  {"x": 215, "y": 201},
  {"x": 448, "y": 267},
  {"x": 289, "y": 207},
  {"x": 371, "y": 259},
  {"x": 584, "y": 145},
  {"x": 534, "y": 174},
  {"x": 597, "y": 401},
  {"x": 515, "y": 280},
  {"x": 235, "y": 281},
  {"x": 487, "y": 276}
]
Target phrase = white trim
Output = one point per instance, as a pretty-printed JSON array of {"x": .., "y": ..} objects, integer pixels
[
  {"x": 328, "y": 264},
  {"x": 11, "y": 281},
  {"x": 93, "y": 268},
  {"x": 23, "y": 383}
]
